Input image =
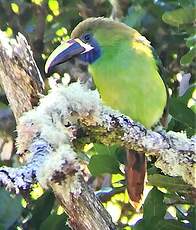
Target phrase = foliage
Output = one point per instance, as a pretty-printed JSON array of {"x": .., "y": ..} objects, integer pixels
[{"x": 169, "y": 25}]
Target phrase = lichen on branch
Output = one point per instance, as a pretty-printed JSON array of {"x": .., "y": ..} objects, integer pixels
[
  {"x": 51, "y": 134},
  {"x": 23, "y": 86},
  {"x": 69, "y": 113}
]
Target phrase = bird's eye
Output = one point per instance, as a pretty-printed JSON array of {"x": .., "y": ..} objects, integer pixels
[{"x": 87, "y": 37}]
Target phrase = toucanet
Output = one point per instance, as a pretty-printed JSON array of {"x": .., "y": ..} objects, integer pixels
[{"x": 124, "y": 70}]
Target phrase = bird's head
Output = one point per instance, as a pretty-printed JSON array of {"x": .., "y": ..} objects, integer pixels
[{"x": 89, "y": 39}]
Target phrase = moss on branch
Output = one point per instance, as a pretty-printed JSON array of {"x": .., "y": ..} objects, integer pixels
[{"x": 50, "y": 134}]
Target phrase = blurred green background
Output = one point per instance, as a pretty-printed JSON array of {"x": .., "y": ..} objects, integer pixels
[{"x": 170, "y": 26}]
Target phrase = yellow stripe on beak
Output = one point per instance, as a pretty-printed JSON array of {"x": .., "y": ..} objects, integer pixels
[{"x": 66, "y": 51}]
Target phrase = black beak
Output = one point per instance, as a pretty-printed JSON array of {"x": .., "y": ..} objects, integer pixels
[{"x": 66, "y": 51}]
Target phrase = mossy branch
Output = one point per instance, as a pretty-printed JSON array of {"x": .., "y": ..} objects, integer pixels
[
  {"x": 22, "y": 83},
  {"x": 50, "y": 134},
  {"x": 73, "y": 114}
]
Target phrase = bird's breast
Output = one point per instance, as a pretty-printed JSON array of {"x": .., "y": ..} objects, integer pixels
[{"x": 133, "y": 86}]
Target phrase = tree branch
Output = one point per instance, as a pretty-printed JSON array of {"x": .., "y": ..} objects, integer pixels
[
  {"x": 22, "y": 84},
  {"x": 50, "y": 135},
  {"x": 19, "y": 75},
  {"x": 80, "y": 117}
]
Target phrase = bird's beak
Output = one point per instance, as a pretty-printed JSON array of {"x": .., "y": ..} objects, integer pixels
[{"x": 66, "y": 51}]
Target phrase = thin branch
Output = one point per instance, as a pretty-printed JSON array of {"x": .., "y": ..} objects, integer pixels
[
  {"x": 175, "y": 153},
  {"x": 41, "y": 12},
  {"x": 21, "y": 179},
  {"x": 37, "y": 39}
]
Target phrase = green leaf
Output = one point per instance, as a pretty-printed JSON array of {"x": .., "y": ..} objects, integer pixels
[
  {"x": 191, "y": 216},
  {"x": 180, "y": 16},
  {"x": 42, "y": 209},
  {"x": 140, "y": 225},
  {"x": 188, "y": 95},
  {"x": 104, "y": 159},
  {"x": 170, "y": 225},
  {"x": 103, "y": 163},
  {"x": 134, "y": 17},
  {"x": 191, "y": 41},
  {"x": 10, "y": 209},
  {"x": 152, "y": 170},
  {"x": 54, "y": 222},
  {"x": 154, "y": 208},
  {"x": 172, "y": 184},
  {"x": 185, "y": 3},
  {"x": 193, "y": 108},
  {"x": 114, "y": 150},
  {"x": 103, "y": 149},
  {"x": 3, "y": 106},
  {"x": 188, "y": 57},
  {"x": 120, "y": 154},
  {"x": 181, "y": 112}
]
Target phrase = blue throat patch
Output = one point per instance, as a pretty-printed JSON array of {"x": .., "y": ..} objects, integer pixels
[{"x": 93, "y": 54}]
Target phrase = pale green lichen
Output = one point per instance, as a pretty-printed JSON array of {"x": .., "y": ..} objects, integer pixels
[
  {"x": 176, "y": 164},
  {"x": 48, "y": 121},
  {"x": 63, "y": 155},
  {"x": 66, "y": 105},
  {"x": 180, "y": 140}
]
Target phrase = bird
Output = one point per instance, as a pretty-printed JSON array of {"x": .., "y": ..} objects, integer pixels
[{"x": 125, "y": 72}]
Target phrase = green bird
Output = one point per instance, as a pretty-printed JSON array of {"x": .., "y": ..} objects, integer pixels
[{"x": 124, "y": 70}]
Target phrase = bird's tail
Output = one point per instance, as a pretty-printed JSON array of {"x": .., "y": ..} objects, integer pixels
[{"x": 135, "y": 171}]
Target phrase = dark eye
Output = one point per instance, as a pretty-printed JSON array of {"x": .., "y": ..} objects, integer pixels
[{"x": 87, "y": 37}]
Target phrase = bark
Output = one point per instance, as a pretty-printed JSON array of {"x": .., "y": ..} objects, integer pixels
[
  {"x": 23, "y": 84},
  {"x": 51, "y": 135},
  {"x": 20, "y": 77}
]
